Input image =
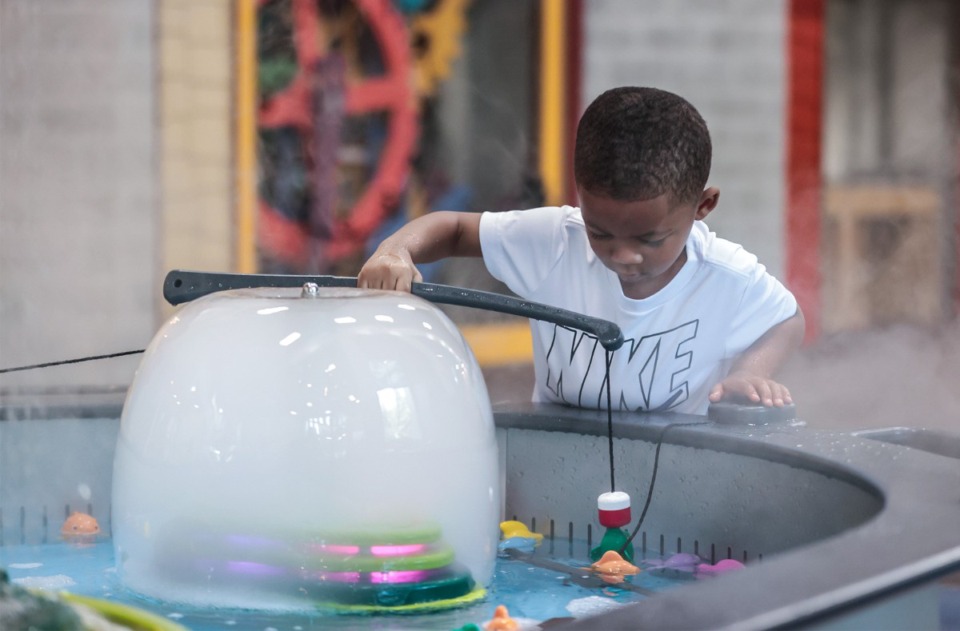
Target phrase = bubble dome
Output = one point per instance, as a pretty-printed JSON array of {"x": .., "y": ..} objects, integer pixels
[{"x": 287, "y": 448}]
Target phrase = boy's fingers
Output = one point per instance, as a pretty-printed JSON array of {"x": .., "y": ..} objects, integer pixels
[
  {"x": 405, "y": 281},
  {"x": 716, "y": 393},
  {"x": 753, "y": 389},
  {"x": 778, "y": 394},
  {"x": 388, "y": 272},
  {"x": 764, "y": 392},
  {"x": 781, "y": 394},
  {"x": 373, "y": 283},
  {"x": 747, "y": 390}
]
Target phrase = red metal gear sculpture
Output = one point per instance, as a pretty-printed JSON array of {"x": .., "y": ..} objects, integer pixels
[{"x": 295, "y": 106}]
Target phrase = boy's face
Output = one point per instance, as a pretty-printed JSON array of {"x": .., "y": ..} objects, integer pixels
[{"x": 642, "y": 242}]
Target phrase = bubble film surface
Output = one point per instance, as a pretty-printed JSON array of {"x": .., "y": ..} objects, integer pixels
[{"x": 280, "y": 451}]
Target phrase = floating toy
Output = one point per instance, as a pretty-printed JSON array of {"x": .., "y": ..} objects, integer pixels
[
  {"x": 523, "y": 544},
  {"x": 516, "y": 536},
  {"x": 680, "y": 562},
  {"x": 80, "y": 527},
  {"x": 512, "y": 529},
  {"x": 403, "y": 570},
  {"x": 613, "y": 510},
  {"x": 501, "y": 621},
  {"x": 575, "y": 575},
  {"x": 613, "y": 568},
  {"x": 720, "y": 567}
]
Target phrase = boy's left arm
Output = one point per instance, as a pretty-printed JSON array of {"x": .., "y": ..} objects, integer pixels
[{"x": 751, "y": 377}]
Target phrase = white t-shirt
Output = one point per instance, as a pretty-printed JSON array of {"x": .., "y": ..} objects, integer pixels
[{"x": 679, "y": 342}]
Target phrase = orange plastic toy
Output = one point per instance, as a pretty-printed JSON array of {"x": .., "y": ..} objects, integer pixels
[
  {"x": 80, "y": 526},
  {"x": 501, "y": 621},
  {"x": 612, "y": 568}
]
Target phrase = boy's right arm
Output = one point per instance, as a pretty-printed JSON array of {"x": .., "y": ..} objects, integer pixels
[{"x": 433, "y": 236}]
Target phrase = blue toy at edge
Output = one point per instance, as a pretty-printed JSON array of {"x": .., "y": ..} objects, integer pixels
[{"x": 516, "y": 536}]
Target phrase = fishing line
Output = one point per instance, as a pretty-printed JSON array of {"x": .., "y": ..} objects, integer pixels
[
  {"x": 70, "y": 361},
  {"x": 656, "y": 455},
  {"x": 653, "y": 479},
  {"x": 613, "y": 486}
]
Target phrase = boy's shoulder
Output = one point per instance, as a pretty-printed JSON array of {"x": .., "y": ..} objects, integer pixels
[
  {"x": 553, "y": 214},
  {"x": 721, "y": 254}
]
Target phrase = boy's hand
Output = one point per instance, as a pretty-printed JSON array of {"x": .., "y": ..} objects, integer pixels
[
  {"x": 437, "y": 235},
  {"x": 752, "y": 388},
  {"x": 389, "y": 270}
]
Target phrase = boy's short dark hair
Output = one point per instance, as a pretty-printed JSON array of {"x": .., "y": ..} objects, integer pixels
[{"x": 639, "y": 143}]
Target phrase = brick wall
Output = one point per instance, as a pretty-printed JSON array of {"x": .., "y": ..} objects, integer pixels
[
  {"x": 726, "y": 57},
  {"x": 115, "y": 166},
  {"x": 196, "y": 124},
  {"x": 77, "y": 198}
]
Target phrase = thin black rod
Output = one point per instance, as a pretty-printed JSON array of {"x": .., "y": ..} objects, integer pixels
[{"x": 70, "y": 361}]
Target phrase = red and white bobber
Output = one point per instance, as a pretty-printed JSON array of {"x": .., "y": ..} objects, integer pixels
[{"x": 613, "y": 509}]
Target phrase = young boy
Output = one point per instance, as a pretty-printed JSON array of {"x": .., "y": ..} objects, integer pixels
[{"x": 702, "y": 319}]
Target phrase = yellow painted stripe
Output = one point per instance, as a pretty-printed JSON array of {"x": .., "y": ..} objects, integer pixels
[
  {"x": 245, "y": 149},
  {"x": 499, "y": 344},
  {"x": 553, "y": 17}
]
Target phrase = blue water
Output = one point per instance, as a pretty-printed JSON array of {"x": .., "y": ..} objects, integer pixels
[{"x": 529, "y": 592}]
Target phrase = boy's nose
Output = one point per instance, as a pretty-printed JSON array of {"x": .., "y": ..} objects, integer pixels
[{"x": 625, "y": 255}]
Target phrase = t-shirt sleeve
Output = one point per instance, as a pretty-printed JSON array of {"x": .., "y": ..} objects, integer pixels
[
  {"x": 765, "y": 303},
  {"x": 521, "y": 247}
]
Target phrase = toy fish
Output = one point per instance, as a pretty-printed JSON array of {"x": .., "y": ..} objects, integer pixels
[
  {"x": 501, "y": 621},
  {"x": 523, "y": 544},
  {"x": 680, "y": 562},
  {"x": 511, "y": 529},
  {"x": 516, "y": 536},
  {"x": 80, "y": 527},
  {"x": 720, "y": 567},
  {"x": 612, "y": 568},
  {"x": 575, "y": 575}
]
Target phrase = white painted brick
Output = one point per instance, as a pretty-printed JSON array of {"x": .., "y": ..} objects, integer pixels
[
  {"x": 76, "y": 187},
  {"x": 727, "y": 57}
]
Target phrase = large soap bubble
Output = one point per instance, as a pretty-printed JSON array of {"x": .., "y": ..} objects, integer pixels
[{"x": 283, "y": 449}]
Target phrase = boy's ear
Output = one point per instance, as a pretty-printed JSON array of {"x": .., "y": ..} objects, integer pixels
[{"x": 708, "y": 201}]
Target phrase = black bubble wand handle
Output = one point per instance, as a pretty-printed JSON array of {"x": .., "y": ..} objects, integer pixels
[{"x": 182, "y": 286}]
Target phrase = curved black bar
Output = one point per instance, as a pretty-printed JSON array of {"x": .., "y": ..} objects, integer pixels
[{"x": 182, "y": 286}]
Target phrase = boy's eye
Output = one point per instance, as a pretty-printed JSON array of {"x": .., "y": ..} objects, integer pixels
[
  {"x": 654, "y": 242},
  {"x": 598, "y": 236}
]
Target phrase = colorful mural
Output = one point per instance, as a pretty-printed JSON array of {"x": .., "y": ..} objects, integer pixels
[{"x": 342, "y": 91}]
